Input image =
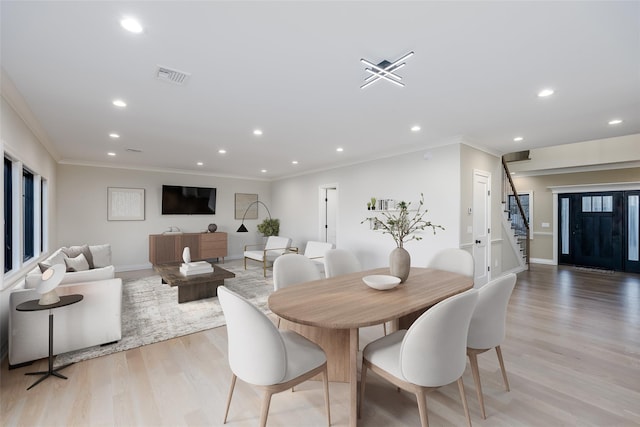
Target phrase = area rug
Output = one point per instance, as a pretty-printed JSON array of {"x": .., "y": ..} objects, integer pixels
[{"x": 151, "y": 313}]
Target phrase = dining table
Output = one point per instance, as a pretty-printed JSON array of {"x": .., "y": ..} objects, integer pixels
[{"x": 331, "y": 311}]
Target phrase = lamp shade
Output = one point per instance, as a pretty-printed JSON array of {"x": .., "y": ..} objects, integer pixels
[
  {"x": 50, "y": 280},
  {"x": 242, "y": 229}
]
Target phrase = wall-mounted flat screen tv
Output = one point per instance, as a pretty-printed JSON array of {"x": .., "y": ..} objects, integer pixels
[{"x": 181, "y": 200}]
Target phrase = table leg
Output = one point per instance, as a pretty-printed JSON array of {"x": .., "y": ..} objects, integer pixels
[
  {"x": 353, "y": 377},
  {"x": 46, "y": 374}
]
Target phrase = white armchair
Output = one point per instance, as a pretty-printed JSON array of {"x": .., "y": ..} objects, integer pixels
[
  {"x": 315, "y": 251},
  {"x": 265, "y": 357},
  {"x": 267, "y": 253}
]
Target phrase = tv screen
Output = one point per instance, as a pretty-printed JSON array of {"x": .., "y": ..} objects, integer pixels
[{"x": 181, "y": 200}]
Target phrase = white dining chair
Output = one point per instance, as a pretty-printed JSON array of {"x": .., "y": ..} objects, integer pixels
[
  {"x": 265, "y": 357},
  {"x": 430, "y": 354},
  {"x": 340, "y": 261},
  {"x": 454, "y": 260},
  {"x": 487, "y": 327},
  {"x": 292, "y": 269}
]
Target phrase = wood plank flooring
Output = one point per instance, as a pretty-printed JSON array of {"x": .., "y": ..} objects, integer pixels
[{"x": 572, "y": 355}]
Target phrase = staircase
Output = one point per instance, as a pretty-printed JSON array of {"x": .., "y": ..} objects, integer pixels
[{"x": 514, "y": 219}]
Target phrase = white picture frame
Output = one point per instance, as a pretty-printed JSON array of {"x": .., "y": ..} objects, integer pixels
[{"x": 125, "y": 204}]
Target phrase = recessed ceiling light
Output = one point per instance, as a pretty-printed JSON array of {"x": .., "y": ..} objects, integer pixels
[
  {"x": 415, "y": 128},
  {"x": 518, "y": 138},
  {"x": 545, "y": 92},
  {"x": 263, "y": 171},
  {"x": 111, "y": 153},
  {"x": 222, "y": 151},
  {"x": 257, "y": 132},
  {"x": 339, "y": 149},
  {"x": 199, "y": 163},
  {"x": 294, "y": 162},
  {"x": 114, "y": 135},
  {"x": 119, "y": 103},
  {"x": 132, "y": 25},
  {"x": 615, "y": 121}
]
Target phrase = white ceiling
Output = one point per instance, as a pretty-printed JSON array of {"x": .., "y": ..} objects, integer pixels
[{"x": 293, "y": 70}]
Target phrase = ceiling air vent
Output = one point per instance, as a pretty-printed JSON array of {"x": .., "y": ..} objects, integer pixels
[
  {"x": 172, "y": 76},
  {"x": 134, "y": 150}
]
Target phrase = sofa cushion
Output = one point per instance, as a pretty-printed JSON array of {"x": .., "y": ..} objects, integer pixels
[
  {"x": 101, "y": 255},
  {"x": 56, "y": 258},
  {"x": 78, "y": 263},
  {"x": 74, "y": 251}
]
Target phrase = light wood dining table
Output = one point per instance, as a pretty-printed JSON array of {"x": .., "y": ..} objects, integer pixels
[{"x": 331, "y": 311}]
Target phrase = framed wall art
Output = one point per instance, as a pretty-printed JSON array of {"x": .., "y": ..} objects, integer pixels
[
  {"x": 246, "y": 201},
  {"x": 125, "y": 204}
]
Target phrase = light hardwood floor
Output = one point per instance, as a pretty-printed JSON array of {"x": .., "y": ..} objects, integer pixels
[{"x": 572, "y": 354}]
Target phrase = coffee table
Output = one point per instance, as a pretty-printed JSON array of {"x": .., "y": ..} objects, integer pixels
[{"x": 198, "y": 286}]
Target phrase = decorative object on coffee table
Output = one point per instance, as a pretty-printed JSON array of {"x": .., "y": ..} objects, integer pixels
[
  {"x": 50, "y": 280},
  {"x": 193, "y": 287},
  {"x": 212, "y": 228},
  {"x": 186, "y": 255},
  {"x": 35, "y": 305}
]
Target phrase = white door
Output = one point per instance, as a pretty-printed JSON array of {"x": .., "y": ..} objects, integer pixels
[
  {"x": 482, "y": 226},
  {"x": 329, "y": 212}
]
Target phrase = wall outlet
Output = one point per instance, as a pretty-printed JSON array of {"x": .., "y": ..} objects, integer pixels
[
  {"x": 545, "y": 225},
  {"x": 469, "y": 229}
]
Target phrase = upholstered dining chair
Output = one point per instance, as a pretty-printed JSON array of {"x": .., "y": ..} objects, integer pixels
[
  {"x": 291, "y": 269},
  {"x": 340, "y": 261},
  {"x": 430, "y": 354},
  {"x": 267, "y": 253},
  {"x": 265, "y": 357},
  {"x": 487, "y": 327},
  {"x": 454, "y": 260}
]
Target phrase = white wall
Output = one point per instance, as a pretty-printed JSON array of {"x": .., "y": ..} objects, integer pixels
[
  {"x": 82, "y": 210},
  {"x": 297, "y": 203}
]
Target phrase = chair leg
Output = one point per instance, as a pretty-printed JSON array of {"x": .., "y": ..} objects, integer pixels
[
  {"x": 278, "y": 326},
  {"x": 264, "y": 268},
  {"x": 504, "y": 371},
  {"x": 384, "y": 328},
  {"x": 264, "y": 411},
  {"x": 473, "y": 359},
  {"x": 363, "y": 381},
  {"x": 245, "y": 263},
  {"x": 421, "y": 397},
  {"x": 233, "y": 384},
  {"x": 463, "y": 397},
  {"x": 325, "y": 380}
]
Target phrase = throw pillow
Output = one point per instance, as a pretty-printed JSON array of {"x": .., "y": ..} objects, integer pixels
[
  {"x": 58, "y": 258},
  {"x": 101, "y": 255},
  {"x": 78, "y": 263},
  {"x": 74, "y": 251}
]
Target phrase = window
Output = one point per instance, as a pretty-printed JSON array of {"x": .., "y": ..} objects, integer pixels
[
  {"x": 28, "y": 214},
  {"x": 597, "y": 203},
  {"x": 8, "y": 216},
  {"x": 564, "y": 225},
  {"x": 633, "y": 249}
]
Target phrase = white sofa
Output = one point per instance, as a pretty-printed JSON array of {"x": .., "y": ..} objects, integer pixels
[{"x": 93, "y": 321}]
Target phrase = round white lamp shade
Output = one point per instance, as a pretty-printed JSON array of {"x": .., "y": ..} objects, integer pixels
[{"x": 50, "y": 280}]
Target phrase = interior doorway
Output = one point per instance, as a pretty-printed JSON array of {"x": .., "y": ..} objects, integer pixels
[
  {"x": 328, "y": 214},
  {"x": 481, "y": 227}
]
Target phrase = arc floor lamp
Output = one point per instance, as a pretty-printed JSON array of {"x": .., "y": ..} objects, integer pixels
[{"x": 242, "y": 228}]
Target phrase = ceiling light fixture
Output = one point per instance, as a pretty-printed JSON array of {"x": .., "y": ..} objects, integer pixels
[
  {"x": 222, "y": 151},
  {"x": 415, "y": 128},
  {"x": 111, "y": 153},
  {"x": 545, "y": 92},
  {"x": 615, "y": 121},
  {"x": 294, "y": 162},
  {"x": 339, "y": 149},
  {"x": 119, "y": 103},
  {"x": 518, "y": 139},
  {"x": 263, "y": 171},
  {"x": 257, "y": 132},
  {"x": 114, "y": 135},
  {"x": 384, "y": 70},
  {"x": 199, "y": 163},
  {"x": 131, "y": 25}
]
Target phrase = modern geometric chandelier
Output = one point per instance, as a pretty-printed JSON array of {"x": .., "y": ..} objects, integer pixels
[{"x": 384, "y": 70}]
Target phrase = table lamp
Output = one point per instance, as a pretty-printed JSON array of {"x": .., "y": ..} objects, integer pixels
[{"x": 50, "y": 280}]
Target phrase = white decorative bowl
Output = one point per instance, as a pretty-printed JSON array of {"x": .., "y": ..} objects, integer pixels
[{"x": 381, "y": 282}]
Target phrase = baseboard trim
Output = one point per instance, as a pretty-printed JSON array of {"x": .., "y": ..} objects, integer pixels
[{"x": 542, "y": 261}]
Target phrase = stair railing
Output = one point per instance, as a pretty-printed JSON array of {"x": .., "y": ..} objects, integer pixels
[{"x": 510, "y": 189}]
